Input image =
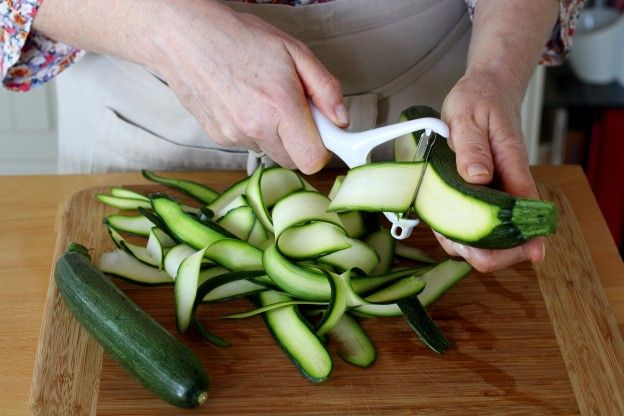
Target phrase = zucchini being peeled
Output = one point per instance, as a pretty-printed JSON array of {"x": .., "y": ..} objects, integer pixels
[
  {"x": 471, "y": 214},
  {"x": 134, "y": 339}
]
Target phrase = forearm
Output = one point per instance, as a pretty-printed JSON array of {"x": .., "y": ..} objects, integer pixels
[
  {"x": 125, "y": 29},
  {"x": 509, "y": 36}
]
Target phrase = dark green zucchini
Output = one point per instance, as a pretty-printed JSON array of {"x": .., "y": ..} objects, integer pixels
[
  {"x": 515, "y": 221},
  {"x": 418, "y": 318},
  {"x": 134, "y": 339}
]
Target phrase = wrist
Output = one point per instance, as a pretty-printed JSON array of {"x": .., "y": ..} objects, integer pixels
[
  {"x": 508, "y": 39},
  {"x": 172, "y": 28},
  {"x": 501, "y": 76},
  {"x": 163, "y": 36}
]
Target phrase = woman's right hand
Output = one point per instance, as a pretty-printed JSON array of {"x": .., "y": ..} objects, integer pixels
[{"x": 246, "y": 82}]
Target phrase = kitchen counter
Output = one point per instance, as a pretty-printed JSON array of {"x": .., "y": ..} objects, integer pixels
[{"x": 28, "y": 213}]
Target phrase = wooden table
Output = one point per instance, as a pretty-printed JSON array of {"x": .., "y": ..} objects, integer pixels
[{"x": 28, "y": 212}]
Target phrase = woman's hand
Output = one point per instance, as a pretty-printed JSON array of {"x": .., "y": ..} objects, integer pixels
[
  {"x": 483, "y": 113},
  {"x": 483, "y": 110},
  {"x": 246, "y": 82}
]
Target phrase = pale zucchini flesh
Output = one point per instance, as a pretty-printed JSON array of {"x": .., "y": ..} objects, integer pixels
[
  {"x": 301, "y": 345},
  {"x": 300, "y": 208},
  {"x": 354, "y": 346},
  {"x": 235, "y": 255},
  {"x": 123, "y": 202},
  {"x": 359, "y": 256},
  {"x": 139, "y": 252},
  {"x": 127, "y": 193},
  {"x": 121, "y": 264},
  {"x": 186, "y": 283},
  {"x": 239, "y": 221},
  {"x": 138, "y": 225},
  {"x": 378, "y": 187},
  {"x": 312, "y": 240}
]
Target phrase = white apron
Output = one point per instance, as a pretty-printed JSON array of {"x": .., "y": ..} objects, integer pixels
[{"x": 388, "y": 55}]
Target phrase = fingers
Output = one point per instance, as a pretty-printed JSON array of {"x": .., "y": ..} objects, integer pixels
[
  {"x": 300, "y": 138},
  {"x": 535, "y": 250},
  {"x": 266, "y": 108},
  {"x": 470, "y": 140},
  {"x": 275, "y": 150},
  {"x": 487, "y": 261},
  {"x": 509, "y": 150},
  {"x": 319, "y": 84}
]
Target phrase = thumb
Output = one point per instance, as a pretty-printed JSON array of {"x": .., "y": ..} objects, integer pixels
[
  {"x": 472, "y": 147},
  {"x": 319, "y": 84}
]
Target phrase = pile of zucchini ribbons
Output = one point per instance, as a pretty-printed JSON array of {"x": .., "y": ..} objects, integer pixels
[{"x": 311, "y": 272}]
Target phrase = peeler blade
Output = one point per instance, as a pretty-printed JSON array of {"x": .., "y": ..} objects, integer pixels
[{"x": 426, "y": 142}]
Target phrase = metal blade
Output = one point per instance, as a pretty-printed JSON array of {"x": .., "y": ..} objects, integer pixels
[{"x": 425, "y": 144}]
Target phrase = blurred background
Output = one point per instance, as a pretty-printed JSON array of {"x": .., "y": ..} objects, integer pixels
[
  {"x": 572, "y": 114},
  {"x": 582, "y": 119}
]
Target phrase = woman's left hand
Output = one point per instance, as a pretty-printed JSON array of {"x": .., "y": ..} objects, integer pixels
[{"x": 483, "y": 113}]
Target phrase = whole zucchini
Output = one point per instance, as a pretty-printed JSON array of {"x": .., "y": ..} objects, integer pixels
[{"x": 133, "y": 338}]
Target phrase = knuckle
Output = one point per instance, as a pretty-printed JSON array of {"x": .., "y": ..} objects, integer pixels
[
  {"x": 252, "y": 127},
  {"x": 477, "y": 150},
  {"x": 466, "y": 119},
  {"x": 232, "y": 133},
  {"x": 303, "y": 48},
  {"x": 312, "y": 161},
  {"x": 282, "y": 98},
  {"x": 330, "y": 83},
  {"x": 508, "y": 135}
]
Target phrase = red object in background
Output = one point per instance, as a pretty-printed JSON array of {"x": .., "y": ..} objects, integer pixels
[{"x": 605, "y": 170}]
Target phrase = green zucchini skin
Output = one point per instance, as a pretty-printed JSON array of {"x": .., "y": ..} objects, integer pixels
[
  {"x": 418, "y": 318},
  {"x": 520, "y": 219},
  {"x": 195, "y": 190},
  {"x": 184, "y": 227},
  {"x": 133, "y": 338}
]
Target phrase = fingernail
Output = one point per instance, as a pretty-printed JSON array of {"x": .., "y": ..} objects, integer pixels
[
  {"x": 342, "y": 115},
  {"x": 461, "y": 249},
  {"x": 477, "y": 169}
]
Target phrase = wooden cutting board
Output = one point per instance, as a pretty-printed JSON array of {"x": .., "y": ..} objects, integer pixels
[{"x": 525, "y": 341}]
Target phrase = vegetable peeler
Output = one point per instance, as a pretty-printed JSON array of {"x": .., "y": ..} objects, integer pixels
[{"x": 355, "y": 148}]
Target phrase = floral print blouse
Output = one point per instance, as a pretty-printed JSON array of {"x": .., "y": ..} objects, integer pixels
[{"x": 28, "y": 58}]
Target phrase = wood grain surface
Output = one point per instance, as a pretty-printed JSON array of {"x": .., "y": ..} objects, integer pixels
[
  {"x": 592, "y": 345},
  {"x": 506, "y": 358}
]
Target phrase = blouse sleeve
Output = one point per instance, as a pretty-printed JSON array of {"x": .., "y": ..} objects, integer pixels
[
  {"x": 28, "y": 58},
  {"x": 560, "y": 41}
]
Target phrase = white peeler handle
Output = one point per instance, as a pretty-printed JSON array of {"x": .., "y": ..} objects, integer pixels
[{"x": 354, "y": 148}]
